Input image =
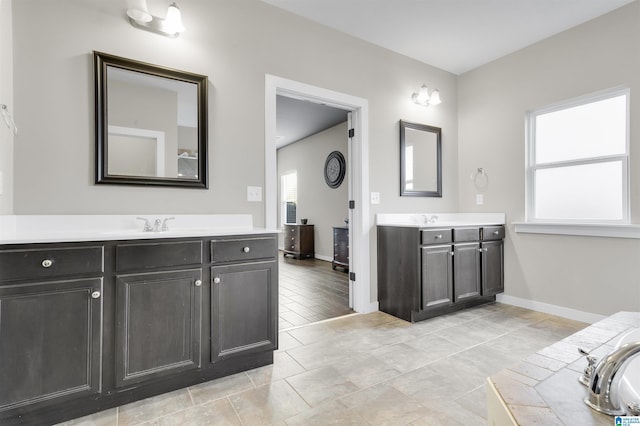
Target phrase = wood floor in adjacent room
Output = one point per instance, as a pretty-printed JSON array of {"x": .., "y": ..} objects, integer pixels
[{"x": 311, "y": 291}]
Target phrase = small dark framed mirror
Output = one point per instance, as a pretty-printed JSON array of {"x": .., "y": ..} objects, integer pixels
[
  {"x": 420, "y": 160},
  {"x": 151, "y": 124}
]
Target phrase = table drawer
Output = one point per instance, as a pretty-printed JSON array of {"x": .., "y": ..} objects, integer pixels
[
  {"x": 435, "y": 236},
  {"x": 492, "y": 233},
  {"x": 466, "y": 234},
  {"x": 131, "y": 257},
  {"x": 50, "y": 262},
  {"x": 238, "y": 250}
]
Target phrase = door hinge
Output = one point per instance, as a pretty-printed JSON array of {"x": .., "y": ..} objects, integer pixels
[
  {"x": 352, "y": 204},
  {"x": 352, "y": 133},
  {"x": 352, "y": 276}
]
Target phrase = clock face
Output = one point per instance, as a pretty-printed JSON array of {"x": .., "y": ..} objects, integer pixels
[{"x": 334, "y": 169}]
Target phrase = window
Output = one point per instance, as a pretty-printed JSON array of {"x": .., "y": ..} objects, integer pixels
[
  {"x": 289, "y": 197},
  {"x": 578, "y": 155}
]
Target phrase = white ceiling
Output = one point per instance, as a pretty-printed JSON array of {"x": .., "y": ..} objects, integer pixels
[
  {"x": 454, "y": 35},
  {"x": 297, "y": 119}
]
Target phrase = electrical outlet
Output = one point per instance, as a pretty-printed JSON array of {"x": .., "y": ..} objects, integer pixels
[
  {"x": 254, "y": 193},
  {"x": 479, "y": 199},
  {"x": 375, "y": 198}
]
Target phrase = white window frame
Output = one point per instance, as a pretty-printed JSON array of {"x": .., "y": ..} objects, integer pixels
[
  {"x": 283, "y": 201},
  {"x": 532, "y": 167}
]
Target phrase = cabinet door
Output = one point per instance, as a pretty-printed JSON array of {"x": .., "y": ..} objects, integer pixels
[
  {"x": 437, "y": 276},
  {"x": 158, "y": 318},
  {"x": 466, "y": 270},
  {"x": 244, "y": 309},
  {"x": 50, "y": 341},
  {"x": 492, "y": 267}
]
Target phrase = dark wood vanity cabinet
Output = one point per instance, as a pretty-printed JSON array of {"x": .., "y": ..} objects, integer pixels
[
  {"x": 340, "y": 247},
  {"x": 299, "y": 241},
  {"x": 492, "y": 247},
  {"x": 50, "y": 325},
  {"x": 158, "y": 309},
  {"x": 89, "y": 326},
  {"x": 428, "y": 272},
  {"x": 244, "y": 297}
]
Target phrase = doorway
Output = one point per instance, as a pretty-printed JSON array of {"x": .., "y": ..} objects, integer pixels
[
  {"x": 312, "y": 211},
  {"x": 359, "y": 276}
]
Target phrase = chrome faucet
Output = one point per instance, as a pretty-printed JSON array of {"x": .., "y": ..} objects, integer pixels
[
  {"x": 604, "y": 381},
  {"x": 430, "y": 219},
  {"x": 156, "y": 225},
  {"x": 165, "y": 227},
  {"x": 146, "y": 227}
]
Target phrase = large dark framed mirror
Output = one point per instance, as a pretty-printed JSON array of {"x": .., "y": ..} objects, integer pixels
[
  {"x": 151, "y": 124},
  {"x": 420, "y": 160}
]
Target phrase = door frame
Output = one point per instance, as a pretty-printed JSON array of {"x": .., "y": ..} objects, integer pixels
[{"x": 359, "y": 225}]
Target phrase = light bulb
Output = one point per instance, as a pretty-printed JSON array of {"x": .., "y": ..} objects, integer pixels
[
  {"x": 435, "y": 98},
  {"x": 173, "y": 21},
  {"x": 423, "y": 95}
]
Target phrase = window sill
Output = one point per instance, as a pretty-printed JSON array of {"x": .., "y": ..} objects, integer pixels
[{"x": 581, "y": 229}]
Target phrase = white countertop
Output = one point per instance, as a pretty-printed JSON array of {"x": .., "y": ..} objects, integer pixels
[
  {"x": 24, "y": 229},
  {"x": 437, "y": 220}
]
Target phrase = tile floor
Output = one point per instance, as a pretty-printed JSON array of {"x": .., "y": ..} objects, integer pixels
[
  {"x": 370, "y": 369},
  {"x": 310, "y": 291}
]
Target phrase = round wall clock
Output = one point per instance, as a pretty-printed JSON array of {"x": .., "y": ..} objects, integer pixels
[{"x": 334, "y": 169}]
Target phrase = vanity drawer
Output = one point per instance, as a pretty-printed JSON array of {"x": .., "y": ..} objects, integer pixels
[
  {"x": 435, "y": 236},
  {"x": 238, "y": 250},
  {"x": 50, "y": 262},
  {"x": 492, "y": 233},
  {"x": 130, "y": 257},
  {"x": 466, "y": 234}
]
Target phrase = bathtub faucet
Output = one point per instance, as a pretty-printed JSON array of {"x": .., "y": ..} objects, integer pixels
[{"x": 605, "y": 378}]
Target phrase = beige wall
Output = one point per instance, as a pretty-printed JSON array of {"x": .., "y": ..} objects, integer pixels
[
  {"x": 325, "y": 207},
  {"x": 597, "y": 275},
  {"x": 6, "y": 97},
  {"x": 235, "y": 43}
]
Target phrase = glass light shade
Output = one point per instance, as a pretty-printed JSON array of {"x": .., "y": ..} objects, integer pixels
[
  {"x": 138, "y": 11},
  {"x": 423, "y": 95},
  {"x": 173, "y": 21},
  {"x": 435, "y": 98}
]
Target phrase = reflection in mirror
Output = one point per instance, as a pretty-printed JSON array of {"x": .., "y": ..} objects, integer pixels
[
  {"x": 420, "y": 160},
  {"x": 151, "y": 124}
]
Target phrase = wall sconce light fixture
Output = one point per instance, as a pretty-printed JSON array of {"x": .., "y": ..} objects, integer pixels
[
  {"x": 170, "y": 26},
  {"x": 422, "y": 97}
]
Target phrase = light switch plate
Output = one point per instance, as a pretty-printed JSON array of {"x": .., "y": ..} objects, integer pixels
[
  {"x": 375, "y": 198},
  {"x": 254, "y": 193}
]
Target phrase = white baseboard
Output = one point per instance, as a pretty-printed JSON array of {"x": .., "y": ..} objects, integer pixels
[
  {"x": 547, "y": 308},
  {"x": 325, "y": 258}
]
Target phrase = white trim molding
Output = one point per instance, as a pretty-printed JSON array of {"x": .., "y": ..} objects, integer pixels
[
  {"x": 360, "y": 223},
  {"x": 580, "y": 229},
  {"x": 548, "y": 308}
]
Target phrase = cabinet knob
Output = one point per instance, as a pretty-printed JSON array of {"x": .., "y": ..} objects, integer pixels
[
  {"x": 47, "y": 263},
  {"x": 95, "y": 295},
  {"x": 485, "y": 249},
  {"x": 246, "y": 249},
  {"x": 480, "y": 250},
  {"x": 198, "y": 283},
  {"x": 439, "y": 237},
  {"x": 216, "y": 280},
  {"x": 496, "y": 232}
]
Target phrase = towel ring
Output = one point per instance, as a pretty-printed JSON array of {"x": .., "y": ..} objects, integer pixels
[{"x": 480, "y": 179}]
